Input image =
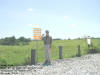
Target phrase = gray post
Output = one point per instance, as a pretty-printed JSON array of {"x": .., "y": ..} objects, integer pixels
[
  {"x": 33, "y": 57},
  {"x": 37, "y": 51},
  {"x": 60, "y": 52},
  {"x": 79, "y": 51}
]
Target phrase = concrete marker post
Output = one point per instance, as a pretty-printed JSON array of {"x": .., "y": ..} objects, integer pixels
[
  {"x": 60, "y": 52},
  {"x": 79, "y": 51},
  {"x": 33, "y": 57}
]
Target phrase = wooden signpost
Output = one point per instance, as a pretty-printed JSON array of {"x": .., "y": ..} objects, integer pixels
[
  {"x": 37, "y": 33},
  {"x": 37, "y": 37}
]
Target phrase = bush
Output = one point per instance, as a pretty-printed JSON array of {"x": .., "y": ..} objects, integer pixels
[
  {"x": 13, "y": 41},
  {"x": 3, "y": 63},
  {"x": 94, "y": 50},
  {"x": 27, "y": 61}
]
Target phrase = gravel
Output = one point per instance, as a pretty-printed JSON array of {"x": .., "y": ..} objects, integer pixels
[{"x": 85, "y": 65}]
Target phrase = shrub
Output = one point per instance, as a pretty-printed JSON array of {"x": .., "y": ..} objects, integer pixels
[
  {"x": 3, "y": 63},
  {"x": 27, "y": 61}
]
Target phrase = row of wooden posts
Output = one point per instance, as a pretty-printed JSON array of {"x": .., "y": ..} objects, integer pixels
[{"x": 33, "y": 54}]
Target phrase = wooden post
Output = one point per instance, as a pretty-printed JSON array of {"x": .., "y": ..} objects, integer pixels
[
  {"x": 60, "y": 52},
  {"x": 33, "y": 57},
  {"x": 79, "y": 51}
]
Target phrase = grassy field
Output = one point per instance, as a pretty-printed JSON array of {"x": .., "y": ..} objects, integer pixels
[{"x": 19, "y": 55}]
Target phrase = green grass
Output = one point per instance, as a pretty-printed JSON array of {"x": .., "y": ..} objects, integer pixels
[{"x": 17, "y": 55}]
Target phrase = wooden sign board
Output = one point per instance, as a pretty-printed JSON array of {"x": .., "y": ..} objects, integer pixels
[{"x": 37, "y": 33}]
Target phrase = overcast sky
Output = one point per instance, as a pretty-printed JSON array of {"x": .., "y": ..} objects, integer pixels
[{"x": 63, "y": 18}]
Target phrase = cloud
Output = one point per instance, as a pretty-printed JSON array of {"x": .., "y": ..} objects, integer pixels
[
  {"x": 34, "y": 25},
  {"x": 30, "y": 25},
  {"x": 65, "y": 17},
  {"x": 74, "y": 25},
  {"x": 30, "y": 9}
]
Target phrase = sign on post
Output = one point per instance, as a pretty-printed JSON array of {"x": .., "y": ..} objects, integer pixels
[
  {"x": 37, "y": 36},
  {"x": 37, "y": 33}
]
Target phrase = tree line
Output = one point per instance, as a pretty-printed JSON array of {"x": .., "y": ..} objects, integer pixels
[{"x": 13, "y": 41}]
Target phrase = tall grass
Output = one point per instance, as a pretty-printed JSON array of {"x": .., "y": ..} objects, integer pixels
[{"x": 19, "y": 55}]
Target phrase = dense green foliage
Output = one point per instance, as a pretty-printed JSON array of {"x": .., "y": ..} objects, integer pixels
[
  {"x": 14, "y": 41},
  {"x": 19, "y": 55}
]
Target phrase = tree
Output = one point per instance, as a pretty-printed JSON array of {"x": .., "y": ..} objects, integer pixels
[
  {"x": 8, "y": 41},
  {"x": 13, "y": 41},
  {"x": 23, "y": 41}
]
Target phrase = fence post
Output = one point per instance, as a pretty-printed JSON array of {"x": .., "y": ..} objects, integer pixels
[
  {"x": 33, "y": 57},
  {"x": 79, "y": 51},
  {"x": 60, "y": 52}
]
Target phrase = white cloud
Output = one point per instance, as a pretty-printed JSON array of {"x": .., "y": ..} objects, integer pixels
[
  {"x": 30, "y": 9},
  {"x": 73, "y": 25},
  {"x": 34, "y": 25},
  {"x": 65, "y": 17},
  {"x": 30, "y": 25}
]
